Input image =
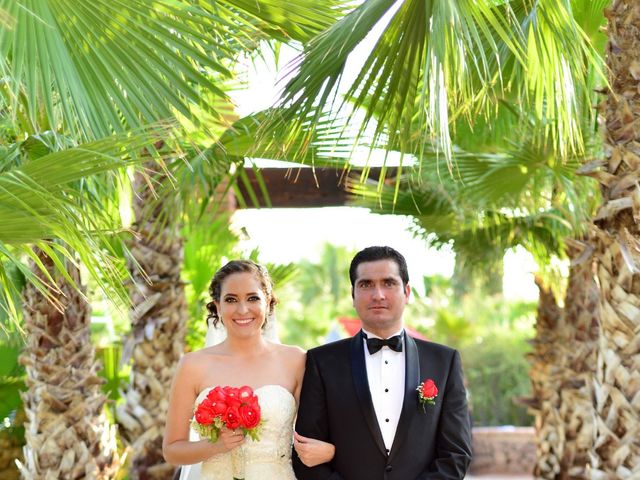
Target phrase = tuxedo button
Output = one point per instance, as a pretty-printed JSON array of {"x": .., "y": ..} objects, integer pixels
[
  {"x": 386, "y": 420},
  {"x": 388, "y": 468},
  {"x": 386, "y": 390}
]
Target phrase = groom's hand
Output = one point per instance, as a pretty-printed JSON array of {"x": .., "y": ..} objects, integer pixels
[{"x": 312, "y": 452}]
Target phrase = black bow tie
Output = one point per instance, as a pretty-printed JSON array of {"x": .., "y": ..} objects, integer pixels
[{"x": 375, "y": 344}]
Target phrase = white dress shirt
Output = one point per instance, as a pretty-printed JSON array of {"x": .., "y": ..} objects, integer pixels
[{"x": 385, "y": 372}]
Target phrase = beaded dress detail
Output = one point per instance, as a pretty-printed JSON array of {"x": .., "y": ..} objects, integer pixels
[{"x": 270, "y": 457}]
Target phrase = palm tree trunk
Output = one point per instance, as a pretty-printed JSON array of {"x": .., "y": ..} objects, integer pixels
[
  {"x": 545, "y": 380},
  {"x": 579, "y": 342},
  {"x": 616, "y": 451},
  {"x": 563, "y": 365},
  {"x": 158, "y": 323},
  {"x": 67, "y": 434}
]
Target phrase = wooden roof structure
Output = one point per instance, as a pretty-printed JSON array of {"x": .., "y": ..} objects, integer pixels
[{"x": 299, "y": 187}]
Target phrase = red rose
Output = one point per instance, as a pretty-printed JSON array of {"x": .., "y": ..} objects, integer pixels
[
  {"x": 245, "y": 393},
  {"x": 249, "y": 416},
  {"x": 219, "y": 407},
  {"x": 429, "y": 389},
  {"x": 217, "y": 394},
  {"x": 205, "y": 413},
  {"x": 233, "y": 402},
  {"x": 231, "y": 392},
  {"x": 232, "y": 418},
  {"x": 253, "y": 401}
]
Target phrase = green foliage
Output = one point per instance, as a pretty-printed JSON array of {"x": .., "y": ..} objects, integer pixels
[
  {"x": 437, "y": 64},
  {"x": 496, "y": 371},
  {"x": 209, "y": 244},
  {"x": 116, "y": 376},
  {"x": 514, "y": 192},
  {"x": 50, "y": 194},
  {"x": 12, "y": 281},
  {"x": 491, "y": 334},
  {"x": 11, "y": 381},
  {"x": 320, "y": 294},
  {"x": 78, "y": 67},
  {"x": 11, "y": 378}
]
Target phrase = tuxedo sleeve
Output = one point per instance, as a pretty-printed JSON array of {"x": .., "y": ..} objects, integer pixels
[
  {"x": 453, "y": 437},
  {"x": 313, "y": 422}
]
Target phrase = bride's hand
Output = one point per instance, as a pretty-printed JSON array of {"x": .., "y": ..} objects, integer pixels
[
  {"x": 313, "y": 452},
  {"x": 230, "y": 439}
]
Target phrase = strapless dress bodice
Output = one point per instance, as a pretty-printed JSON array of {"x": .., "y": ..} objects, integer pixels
[{"x": 266, "y": 459}]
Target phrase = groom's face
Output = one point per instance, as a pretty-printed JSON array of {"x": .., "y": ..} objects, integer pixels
[{"x": 379, "y": 296}]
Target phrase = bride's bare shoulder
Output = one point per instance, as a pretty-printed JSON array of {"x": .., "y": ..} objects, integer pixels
[
  {"x": 200, "y": 358},
  {"x": 291, "y": 352}
]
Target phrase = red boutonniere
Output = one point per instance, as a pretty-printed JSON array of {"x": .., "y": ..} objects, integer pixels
[{"x": 427, "y": 393}]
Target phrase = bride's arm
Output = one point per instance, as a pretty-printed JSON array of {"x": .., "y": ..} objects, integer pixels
[{"x": 176, "y": 447}]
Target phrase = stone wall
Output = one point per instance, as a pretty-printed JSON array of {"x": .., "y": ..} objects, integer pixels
[{"x": 503, "y": 450}]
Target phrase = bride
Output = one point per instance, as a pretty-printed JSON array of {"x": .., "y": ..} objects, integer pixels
[{"x": 243, "y": 301}]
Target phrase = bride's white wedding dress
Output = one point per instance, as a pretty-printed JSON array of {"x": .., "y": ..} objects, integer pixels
[{"x": 270, "y": 457}]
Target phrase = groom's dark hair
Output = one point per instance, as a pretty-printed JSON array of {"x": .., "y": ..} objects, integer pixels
[{"x": 372, "y": 254}]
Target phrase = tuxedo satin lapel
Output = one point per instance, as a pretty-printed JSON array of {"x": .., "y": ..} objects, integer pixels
[
  {"x": 359, "y": 369},
  {"x": 411, "y": 382}
]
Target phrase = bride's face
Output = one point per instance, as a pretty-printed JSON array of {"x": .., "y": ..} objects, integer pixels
[{"x": 243, "y": 304}]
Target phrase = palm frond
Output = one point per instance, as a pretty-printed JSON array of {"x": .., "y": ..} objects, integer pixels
[
  {"x": 495, "y": 201},
  {"x": 43, "y": 204},
  {"x": 329, "y": 142},
  {"x": 292, "y": 20},
  {"x": 418, "y": 67},
  {"x": 90, "y": 68},
  {"x": 561, "y": 70},
  {"x": 438, "y": 64}
]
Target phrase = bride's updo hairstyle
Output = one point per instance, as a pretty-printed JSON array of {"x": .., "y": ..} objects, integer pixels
[{"x": 240, "y": 266}]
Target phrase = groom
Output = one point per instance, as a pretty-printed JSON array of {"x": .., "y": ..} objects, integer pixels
[{"x": 360, "y": 393}]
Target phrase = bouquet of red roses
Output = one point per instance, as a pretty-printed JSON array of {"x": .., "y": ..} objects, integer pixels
[{"x": 228, "y": 407}]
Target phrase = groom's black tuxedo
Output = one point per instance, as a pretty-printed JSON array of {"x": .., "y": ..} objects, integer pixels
[{"x": 336, "y": 406}]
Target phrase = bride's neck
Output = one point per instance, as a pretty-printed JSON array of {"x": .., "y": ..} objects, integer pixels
[{"x": 247, "y": 346}]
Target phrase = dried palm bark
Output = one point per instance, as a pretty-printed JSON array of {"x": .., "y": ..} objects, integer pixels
[
  {"x": 67, "y": 434},
  {"x": 158, "y": 323},
  {"x": 562, "y": 369},
  {"x": 545, "y": 380},
  {"x": 581, "y": 331},
  {"x": 616, "y": 450}
]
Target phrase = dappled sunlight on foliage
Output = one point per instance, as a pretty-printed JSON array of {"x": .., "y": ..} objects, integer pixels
[
  {"x": 491, "y": 334},
  {"x": 311, "y": 304}
]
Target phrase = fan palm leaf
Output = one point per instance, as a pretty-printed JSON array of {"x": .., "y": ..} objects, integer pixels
[
  {"x": 93, "y": 69},
  {"x": 436, "y": 62},
  {"x": 495, "y": 201},
  {"x": 40, "y": 204}
]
